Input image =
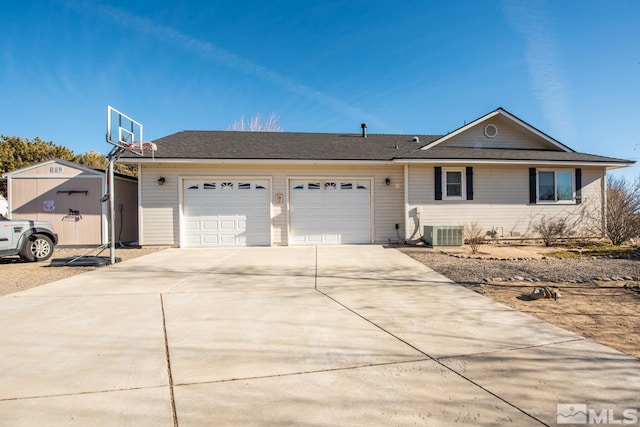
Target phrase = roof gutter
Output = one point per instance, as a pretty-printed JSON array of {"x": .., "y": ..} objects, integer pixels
[
  {"x": 608, "y": 165},
  {"x": 143, "y": 160}
]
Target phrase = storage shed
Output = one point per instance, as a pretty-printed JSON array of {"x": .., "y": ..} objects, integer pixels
[{"x": 69, "y": 196}]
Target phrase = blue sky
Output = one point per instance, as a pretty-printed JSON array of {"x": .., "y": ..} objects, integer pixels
[{"x": 570, "y": 68}]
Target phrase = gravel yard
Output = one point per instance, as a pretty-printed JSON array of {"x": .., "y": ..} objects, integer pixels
[
  {"x": 600, "y": 298},
  {"x": 475, "y": 271}
]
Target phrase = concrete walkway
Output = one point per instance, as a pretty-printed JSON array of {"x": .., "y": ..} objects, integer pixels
[{"x": 347, "y": 335}]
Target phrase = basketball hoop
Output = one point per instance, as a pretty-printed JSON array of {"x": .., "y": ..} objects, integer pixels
[
  {"x": 139, "y": 147},
  {"x": 125, "y": 134}
]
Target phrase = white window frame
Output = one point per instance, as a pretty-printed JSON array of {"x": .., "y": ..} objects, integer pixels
[
  {"x": 463, "y": 189},
  {"x": 555, "y": 187}
]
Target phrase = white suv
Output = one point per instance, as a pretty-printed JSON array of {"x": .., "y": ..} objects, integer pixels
[{"x": 32, "y": 240}]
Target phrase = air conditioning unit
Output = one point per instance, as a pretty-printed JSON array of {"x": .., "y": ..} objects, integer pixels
[{"x": 444, "y": 235}]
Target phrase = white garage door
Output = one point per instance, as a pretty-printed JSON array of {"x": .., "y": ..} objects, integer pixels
[
  {"x": 226, "y": 212},
  {"x": 330, "y": 212}
]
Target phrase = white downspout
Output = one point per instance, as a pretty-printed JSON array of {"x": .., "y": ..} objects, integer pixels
[
  {"x": 406, "y": 202},
  {"x": 603, "y": 195},
  {"x": 139, "y": 213}
]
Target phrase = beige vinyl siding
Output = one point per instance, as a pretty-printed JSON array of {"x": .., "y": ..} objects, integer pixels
[
  {"x": 501, "y": 202},
  {"x": 160, "y": 215},
  {"x": 158, "y": 207},
  {"x": 510, "y": 136}
]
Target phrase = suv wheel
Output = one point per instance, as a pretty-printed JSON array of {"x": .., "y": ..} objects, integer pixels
[{"x": 37, "y": 248}]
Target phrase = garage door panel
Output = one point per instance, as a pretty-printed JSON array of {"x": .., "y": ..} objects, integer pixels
[
  {"x": 209, "y": 240},
  {"x": 192, "y": 225},
  {"x": 209, "y": 226},
  {"x": 226, "y": 212},
  {"x": 227, "y": 239},
  {"x": 313, "y": 238},
  {"x": 228, "y": 224},
  {"x": 192, "y": 240},
  {"x": 333, "y": 238},
  {"x": 329, "y": 211}
]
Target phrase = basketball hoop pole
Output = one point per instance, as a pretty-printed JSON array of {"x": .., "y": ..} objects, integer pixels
[{"x": 112, "y": 157}]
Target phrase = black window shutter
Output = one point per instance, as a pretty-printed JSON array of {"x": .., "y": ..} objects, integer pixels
[
  {"x": 469, "y": 174},
  {"x": 578, "y": 186},
  {"x": 532, "y": 185},
  {"x": 438, "y": 182}
]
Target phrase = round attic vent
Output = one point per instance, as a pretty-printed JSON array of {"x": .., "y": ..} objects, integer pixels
[{"x": 491, "y": 130}]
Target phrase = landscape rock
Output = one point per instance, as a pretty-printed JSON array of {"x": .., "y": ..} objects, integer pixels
[{"x": 494, "y": 268}]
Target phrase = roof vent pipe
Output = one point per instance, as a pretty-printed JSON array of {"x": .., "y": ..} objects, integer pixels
[{"x": 364, "y": 130}]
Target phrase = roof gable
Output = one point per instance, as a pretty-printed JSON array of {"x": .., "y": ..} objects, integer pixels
[
  {"x": 499, "y": 130},
  {"x": 46, "y": 170}
]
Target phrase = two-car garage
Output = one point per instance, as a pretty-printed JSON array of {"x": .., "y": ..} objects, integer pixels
[{"x": 237, "y": 212}]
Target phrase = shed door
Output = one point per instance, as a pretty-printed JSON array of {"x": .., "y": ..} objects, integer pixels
[
  {"x": 226, "y": 212},
  {"x": 330, "y": 211}
]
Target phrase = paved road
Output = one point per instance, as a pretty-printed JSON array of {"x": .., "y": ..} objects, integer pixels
[{"x": 346, "y": 335}]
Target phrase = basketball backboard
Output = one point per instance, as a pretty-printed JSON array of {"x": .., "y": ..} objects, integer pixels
[{"x": 124, "y": 132}]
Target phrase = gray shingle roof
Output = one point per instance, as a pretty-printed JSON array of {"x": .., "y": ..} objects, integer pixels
[
  {"x": 234, "y": 145},
  {"x": 283, "y": 146}
]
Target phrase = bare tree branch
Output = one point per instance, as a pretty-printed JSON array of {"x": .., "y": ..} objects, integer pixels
[
  {"x": 256, "y": 124},
  {"x": 623, "y": 209}
]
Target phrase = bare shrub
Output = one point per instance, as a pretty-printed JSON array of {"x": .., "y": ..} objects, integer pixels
[
  {"x": 474, "y": 235},
  {"x": 551, "y": 229},
  {"x": 623, "y": 210}
]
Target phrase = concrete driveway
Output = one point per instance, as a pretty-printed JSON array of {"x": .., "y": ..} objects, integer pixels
[{"x": 347, "y": 335}]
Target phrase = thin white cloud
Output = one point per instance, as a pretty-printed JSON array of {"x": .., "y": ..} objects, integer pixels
[
  {"x": 548, "y": 80},
  {"x": 208, "y": 50}
]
